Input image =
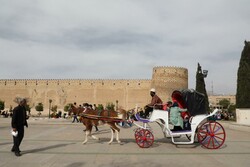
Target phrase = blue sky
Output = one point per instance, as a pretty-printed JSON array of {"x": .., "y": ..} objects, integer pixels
[{"x": 123, "y": 39}]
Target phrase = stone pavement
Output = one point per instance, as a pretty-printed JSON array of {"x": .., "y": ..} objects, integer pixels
[{"x": 58, "y": 143}]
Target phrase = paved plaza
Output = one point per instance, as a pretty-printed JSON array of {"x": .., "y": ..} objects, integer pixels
[{"x": 58, "y": 143}]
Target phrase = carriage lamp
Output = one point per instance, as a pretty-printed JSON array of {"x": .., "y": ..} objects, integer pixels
[{"x": 205, "y": 73}]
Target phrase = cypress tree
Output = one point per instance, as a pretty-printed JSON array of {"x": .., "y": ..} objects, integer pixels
[
  {"x": 243, "y": 79},
  {"x": 200, "y": 85}
]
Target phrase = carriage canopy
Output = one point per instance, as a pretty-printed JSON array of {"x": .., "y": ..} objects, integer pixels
[{"x": 190, "y": 99}]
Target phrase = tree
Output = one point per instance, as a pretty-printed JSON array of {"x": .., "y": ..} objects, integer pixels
[
  {"x": 200, "y": 85},
  {"x": 99, "y": 107},
  {"x": 243, "y": 80},
  {"x": 39, "y": 108},
  {"x": 224, "y": 103},
  {"x": 232, "y": 110},
  {"x": 54, "y": 108},
  {"x": 2, "y": 106},
  {"x": 66, "y": 108},
  {"x": 110, "y": 106},
  {"x": 54, "y": 111}
]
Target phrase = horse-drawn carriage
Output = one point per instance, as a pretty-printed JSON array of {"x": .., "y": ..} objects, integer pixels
[{"x": 209, "y": 133}]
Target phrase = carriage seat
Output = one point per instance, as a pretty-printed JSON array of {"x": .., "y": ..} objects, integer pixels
[{"x": 138, "y": 118}]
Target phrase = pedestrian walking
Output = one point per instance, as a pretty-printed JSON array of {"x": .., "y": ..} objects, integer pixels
[
  {"x": 75, "y": 114},
  {"x": 19, "y": 120}
]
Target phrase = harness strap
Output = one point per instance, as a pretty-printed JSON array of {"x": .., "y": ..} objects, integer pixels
[
  {"x": 100, "y": 111},
  {"x": 108, "y": 113}
]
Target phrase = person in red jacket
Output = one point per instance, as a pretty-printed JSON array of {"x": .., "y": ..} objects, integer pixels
[{"x": 19, "y": 120}]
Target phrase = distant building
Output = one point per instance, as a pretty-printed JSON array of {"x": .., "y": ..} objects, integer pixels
[{"x": 215, "y": 99}]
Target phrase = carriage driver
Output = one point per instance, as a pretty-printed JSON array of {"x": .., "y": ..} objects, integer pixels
[{"x": 156, "y": 103}]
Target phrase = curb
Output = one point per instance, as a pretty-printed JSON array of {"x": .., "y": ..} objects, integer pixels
[{"x": 235, "y": 126}]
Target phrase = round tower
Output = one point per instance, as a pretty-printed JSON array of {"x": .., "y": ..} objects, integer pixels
[{"x": 167, "y": 79}]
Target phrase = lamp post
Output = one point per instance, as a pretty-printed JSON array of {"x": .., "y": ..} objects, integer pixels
[
  {"x": 50, "y": 101},
  {"x": 116, "y": 105},
  {"x": 205, "y": 72}
]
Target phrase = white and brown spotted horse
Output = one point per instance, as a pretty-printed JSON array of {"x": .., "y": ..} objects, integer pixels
[{"x": 96, "y": 119}]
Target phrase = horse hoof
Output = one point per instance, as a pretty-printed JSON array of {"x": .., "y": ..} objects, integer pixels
[{"x": 83, "y": 143}]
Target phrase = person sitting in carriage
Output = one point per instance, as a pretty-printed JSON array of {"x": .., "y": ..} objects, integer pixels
[
  {"x": 156, "y": 103},
  {"x": 167, "y": 106},
  {"x": 175, "y": 117}
]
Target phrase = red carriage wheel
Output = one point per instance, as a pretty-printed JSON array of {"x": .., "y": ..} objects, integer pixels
[
  {"x": 144, "y": 138},
  {"x": 137, "y": 131},
  {"x": 211, "y": 135}
]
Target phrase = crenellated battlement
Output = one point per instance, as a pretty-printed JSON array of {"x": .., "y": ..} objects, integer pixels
[
  {"x": 169, "y": 67},
  {"x": 51, "y": 82}
]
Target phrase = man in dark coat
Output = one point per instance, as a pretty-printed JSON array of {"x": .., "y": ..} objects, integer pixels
[{"x": 19, "y": 120}]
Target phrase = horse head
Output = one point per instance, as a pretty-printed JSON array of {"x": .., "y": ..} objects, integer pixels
[{"x": 72, "y": 109}]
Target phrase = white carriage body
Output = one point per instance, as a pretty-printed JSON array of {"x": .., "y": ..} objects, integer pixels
[{"x": 158, "y": 115}]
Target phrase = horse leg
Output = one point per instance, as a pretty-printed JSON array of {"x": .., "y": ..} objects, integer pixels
[
  {"x": 94, "y": 123},
  {"x": 112, "y": 135},
  {"x": 117, "y": 131},
  {"x": 87, "y": 133},
  {"x": 94, "y": 137},
  {"x": 117, "y": 136}
]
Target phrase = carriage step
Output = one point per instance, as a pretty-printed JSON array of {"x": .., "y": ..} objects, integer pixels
[{"x": 181, "y": 132}]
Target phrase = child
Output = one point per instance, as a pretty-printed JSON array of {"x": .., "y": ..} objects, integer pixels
[{"x": 175, "y": 117}]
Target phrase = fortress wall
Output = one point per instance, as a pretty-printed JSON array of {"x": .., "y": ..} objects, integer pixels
[
  {"x": 104, "y": 91},
  {"x": 168, "y": 79},
  {"x": 94, "y": 91},
  {"x": 127, "y": 92}
]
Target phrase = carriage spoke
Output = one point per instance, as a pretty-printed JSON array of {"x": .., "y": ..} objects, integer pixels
[
  {"x": 213, "y": 142},
  {"x": 205, "y": 132},
  {"x": 218, "y": 142},
  {"x": 219, "y": 137},
  {"x": 215, "y": 125},
  {"x": 210, "y": 128},
  {"x": 208, "y": 142}
]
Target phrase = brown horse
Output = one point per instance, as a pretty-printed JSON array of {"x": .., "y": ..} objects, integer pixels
[{"x": 90, "y": 118}]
